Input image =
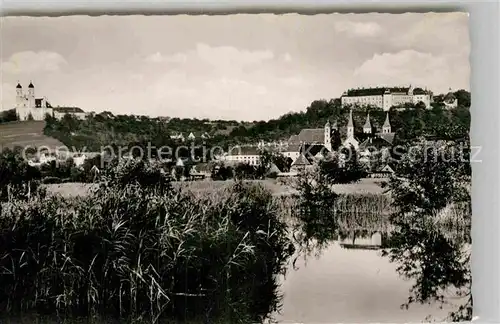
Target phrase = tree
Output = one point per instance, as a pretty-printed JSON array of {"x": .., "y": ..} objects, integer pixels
[
  {"x": 18, "y": 180},
  {"x": 8, "y": 116},
  {"x": 463, "y": 98},
  {"x": 336, "y": 171},
  {"x": 244, "y": 171},
  {"x": 430, "y": 179}
]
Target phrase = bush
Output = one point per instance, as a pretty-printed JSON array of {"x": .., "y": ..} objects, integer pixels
[
  {"x": 51, "y": 180},
  {"x": 135, "y": 247}
]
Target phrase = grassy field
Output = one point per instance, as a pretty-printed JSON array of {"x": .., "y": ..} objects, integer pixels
[
  {"x": 365, "y": 186},
  {"x": 27, "y": 133}
]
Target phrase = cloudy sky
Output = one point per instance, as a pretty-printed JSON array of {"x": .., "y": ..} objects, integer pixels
[{"x": 244, "y": 67}]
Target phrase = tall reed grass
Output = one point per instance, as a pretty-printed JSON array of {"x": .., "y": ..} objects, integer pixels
[{"x": 136, "y": 248}]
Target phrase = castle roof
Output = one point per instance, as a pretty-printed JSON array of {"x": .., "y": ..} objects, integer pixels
[
  {"x": 419, "y": 91},
  {"x": 379, "y": 91},
  {"x": 68, "y": 110}
]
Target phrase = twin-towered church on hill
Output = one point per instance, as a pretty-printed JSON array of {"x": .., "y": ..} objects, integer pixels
[
  {"x": 29, "y": 107},
  {"x": 313, "y": 143}
]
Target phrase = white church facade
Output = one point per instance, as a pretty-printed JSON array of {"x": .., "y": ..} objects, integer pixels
[{"x": 28, "y": 107}]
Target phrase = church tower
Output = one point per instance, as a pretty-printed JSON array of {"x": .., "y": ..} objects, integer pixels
[
  {"x": 350, "y": 126},
  {"x": 19, "y": 96},
  {"x": 328, "y": 136},
  {"x": 31, "y": 96},
  {"x": 386, "y": 128},
  {"x": 367, "y": 128}
]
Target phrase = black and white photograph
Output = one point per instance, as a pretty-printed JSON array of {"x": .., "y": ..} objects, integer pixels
[{"x": 239, "y": 168}]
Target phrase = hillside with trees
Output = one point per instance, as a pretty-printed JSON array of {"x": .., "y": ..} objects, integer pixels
[{"x": 409, "y": 122}]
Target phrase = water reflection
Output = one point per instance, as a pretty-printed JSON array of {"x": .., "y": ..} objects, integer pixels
[{"x": 351, "y": 282}]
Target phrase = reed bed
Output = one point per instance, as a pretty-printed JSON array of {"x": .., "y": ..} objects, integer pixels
[{"x": 138, "y": 253}]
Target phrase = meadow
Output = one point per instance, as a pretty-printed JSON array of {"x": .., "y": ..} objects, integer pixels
[
  {"x": 276, "y": 187},
  {"x": 27, "y": 133}
]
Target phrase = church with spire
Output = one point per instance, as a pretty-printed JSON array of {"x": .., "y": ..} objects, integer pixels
[
  {"x": 29, "y": 107},
  {"x": 315, "y": 143}
]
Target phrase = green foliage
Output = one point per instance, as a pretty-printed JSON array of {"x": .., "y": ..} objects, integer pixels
[
  {"x": 222, "y": 172},
  {"x": 18, "y": 180},
  {"x": 137, "y": 249},
  {"x": 315, "y": 216},
  {"x": 8, "y": 116},
  {"x": 348, "y": 172},
  {"x": 409, "y": 123},
  {"x": 429, "y": 179}
]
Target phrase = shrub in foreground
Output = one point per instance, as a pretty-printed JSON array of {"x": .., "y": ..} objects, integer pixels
[{"x": 140, "y": 249}]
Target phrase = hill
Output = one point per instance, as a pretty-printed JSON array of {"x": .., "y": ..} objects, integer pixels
[
  {"x": 27, "y": 133},
  {"x": 409, "y": 122}
]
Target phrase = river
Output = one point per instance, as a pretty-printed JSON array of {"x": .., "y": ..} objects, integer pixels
[{"x": 347, "y": 285}]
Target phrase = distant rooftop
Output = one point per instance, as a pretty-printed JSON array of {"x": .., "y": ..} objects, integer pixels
[
  {"x": 68, "y": 109},
  {"x": 378, "y": 91}
]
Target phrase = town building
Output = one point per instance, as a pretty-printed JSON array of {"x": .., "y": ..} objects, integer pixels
[
  {"x": 386, "y": 97},
  {"x": 60, "y": 112},
  {"x": 243, "y": 154}
]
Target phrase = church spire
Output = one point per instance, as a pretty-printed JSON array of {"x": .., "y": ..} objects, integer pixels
[
  {"x": 386, "y": 128},
  {"x": 350, "y": 122},
  {"x": 367, "y": 128},
  {"x": 350, "y": 125}
]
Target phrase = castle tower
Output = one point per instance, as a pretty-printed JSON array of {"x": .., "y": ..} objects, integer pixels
[
  {"x": 367, "y": 128},
  {"x": 350, "y": 126},
  {"x": 328, "y": 136},
  {"x": 386, "y": 128}
]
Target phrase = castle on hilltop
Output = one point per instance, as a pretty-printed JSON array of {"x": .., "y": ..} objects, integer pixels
[
  {"x": 386, "y": 97},
  {"x": 28, "y": 107}
]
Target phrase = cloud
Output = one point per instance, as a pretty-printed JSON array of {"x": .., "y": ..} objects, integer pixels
[
  {"x": 438, "y": 72},
  {"x": 287, "y": 57},
  {"x": 358, "y": 29},
  {"x": 159, "y": 58},
  {"x": 436, "y": 33},
  {"x": 225, "y": 57},
  {"x": 230, "y": 56},
  {"x": 7, "y": 96},
  {"x": 29, "y": 62}
]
